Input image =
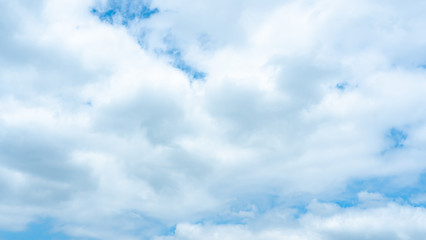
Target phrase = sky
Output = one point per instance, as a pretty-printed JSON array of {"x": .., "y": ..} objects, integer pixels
[{"x": 212, "y": 119}]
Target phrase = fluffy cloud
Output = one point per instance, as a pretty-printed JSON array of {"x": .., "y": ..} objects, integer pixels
[
  {"x": 213, "y": 117},
  {"x": 324, "y": 221}
]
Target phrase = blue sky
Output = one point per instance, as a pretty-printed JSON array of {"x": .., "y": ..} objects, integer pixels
[{"x": 180, "y": 120}]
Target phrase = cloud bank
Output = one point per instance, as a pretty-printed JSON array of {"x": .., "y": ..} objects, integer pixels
[{"x": 213, "y": 120}]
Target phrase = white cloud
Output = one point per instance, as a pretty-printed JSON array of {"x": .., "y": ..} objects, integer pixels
[
  {"x": 324, "y": 221},
  {"x": 112, "y": 141}
]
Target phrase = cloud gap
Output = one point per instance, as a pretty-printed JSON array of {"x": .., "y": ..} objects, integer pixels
[
  {"x": 178, "y": 62},
  {"x": 124, "y": 12},
  {"x": 398, "y": 137}
]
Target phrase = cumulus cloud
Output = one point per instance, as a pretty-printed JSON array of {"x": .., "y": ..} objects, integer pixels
[
  {"x": 213, "y": 120},
  {"x": 325, "y": 221}
]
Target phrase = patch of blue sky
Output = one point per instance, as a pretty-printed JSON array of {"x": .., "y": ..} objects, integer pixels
[
  {"x": 141, "y": 38},
  {"x": 398, "y": 137},
  {"x": 247, "y": 209},
  {"x": 45, "y": 229},
  {"x": 147, "y": 226},
  {"x": 223, "y": 219},
  {"x": 178, "y": 62},
  {"x": 40, "y": 230},
  {"x": 345, "y": 199},
  {"x": 259, "y": 203},
  {"x": 243, "y": 209},
  {"x": 389, "y": 187},
  {"x": 342, "y": 85},
  {"x": 123, "y": 12},
  {"x": 170, "y": 231}
]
